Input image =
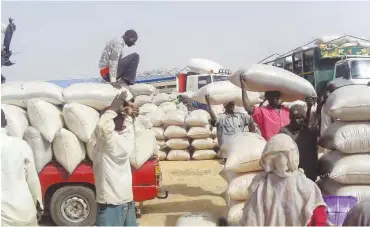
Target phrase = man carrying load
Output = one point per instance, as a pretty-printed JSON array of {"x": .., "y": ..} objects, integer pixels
[{"x": 114, "y": 68}]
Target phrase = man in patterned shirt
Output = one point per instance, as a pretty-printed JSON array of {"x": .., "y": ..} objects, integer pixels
[{"x": 114, "y": 68}]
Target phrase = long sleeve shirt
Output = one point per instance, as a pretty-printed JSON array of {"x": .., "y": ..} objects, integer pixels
[
  {"x": 112, "y": 53},
  {"x": 20, "y": 185},
  {"x": 112, "y": 170}
]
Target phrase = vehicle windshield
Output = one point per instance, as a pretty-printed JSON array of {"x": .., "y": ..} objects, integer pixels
[
  {"x": 219, "y": 78},
  {"x": 360, "y": 69}
]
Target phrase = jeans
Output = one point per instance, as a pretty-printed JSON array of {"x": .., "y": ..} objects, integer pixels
[{"x": 116, "y": 215}]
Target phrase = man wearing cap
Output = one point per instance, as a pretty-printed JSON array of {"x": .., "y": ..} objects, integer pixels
[{"x": 116, "y": 69}]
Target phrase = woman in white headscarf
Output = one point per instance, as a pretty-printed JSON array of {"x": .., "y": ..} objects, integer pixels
[{"x": 282, "y": 195}]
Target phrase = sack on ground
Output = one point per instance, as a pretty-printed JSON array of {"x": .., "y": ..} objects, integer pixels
[
  {"x": 199, "y": 132},
  {"x": 168, "y": 107},
  {"x": 142, "y": 122},
  {"x": 198, "y": 118},
  {"x": 156, "y": 117},
  {"x": 174, "y": 131},
  {"x": 69, "y": 151},
  {"x": 349, "y": 103},
  {"x": 41, "y": 148},
  {"x": 142, "y": 89},
  {"x": 347, "y": 137},
  {"x": 244, "y": 152},
  {"x": 145, "y": 147},
  {"x": 158, "y": 133},
  {"x": 147, "y": 108},
  {"x": 143, "y": 99},
  {"x": 238, "y": 186},
  {"x": 80, "y": 119},
  {"x": 346, "y": 169},
  {"x": 203, "y": 144},
  {"x": 161, "y": 98},
  {"x": 162, "y": 155},
  {"x": 197, "y": 219},
  {"x": 330, "y": 187},
  {"x": 174, "y": 118},
  {"x": 18, "y": 93},
  {"x": 178, "y": 143},
  {"x": 204, "y": 154},
  {"x": 95, "y": 95},
  {"x": 17, "y": 120},
  {"x": 178, "y": 155},
  {"x": 161, "y": 144},
  {"x": 45, "y": 117},
  {"x": 235, "y": 213}
]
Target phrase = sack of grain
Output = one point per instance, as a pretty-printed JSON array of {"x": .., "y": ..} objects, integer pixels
[
  {"x": 214, "y": 132},
  {"x": 347, "y": 137},
  {"x": 45, "y": 117},
  {"x": 17, "y": 120},
  {"x": 235, "y": 213},
  {"x": 142, "y": 89},
  {"x": 145, "y": 147},
  {"x": 158, "y": 133},
  {"x": 147, "y": 108},
  {"x": 168, "y": 107},
  {"x": 330, "y": 187},
  {"x": 174, "y": 131},
  {"x": 346, "y": 169},
  {"x": 161, "y": 144},
  {"x": 198, "y": 118},
  {"x": 41, "y": 148},
  {"x": 215, "y": 141},
  {"x": 18, "y": 93},
  {"x": 244, "y": 152},
  {"x": 143, "y": 99},
  {"x": 95, "y": 95},
  {"x": 197, "y": 219},
  {"x": 80, "y": 119},
  {"x": 203, "y": 66},
  {"x": 161, "y": 98},
  {"x": 262, "y": 78},
  {"x": 142, "y": 122},
  {"x": 174, "y": 118},
  {"x": 228, "y": 176},
  {"x": 238, "y": 186},
  {"x": 204, "y": 154},
  {"x": 181, "y": 107},
  {"x": 69, "y": 151},
  {"x": 156, "y": 117},
  {"x": 162, "y": 155},
  {"x": 178, "y": 155},
  {"x": 203, "y": 144},
  {"x": 199, "y": 132},
  {"x": 178, "y": 143},
  {"x": 91, "y": 149},
  {"x": 223, "y": 92}
]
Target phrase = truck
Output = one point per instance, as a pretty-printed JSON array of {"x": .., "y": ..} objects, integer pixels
[{"x": 345, "y": 65}]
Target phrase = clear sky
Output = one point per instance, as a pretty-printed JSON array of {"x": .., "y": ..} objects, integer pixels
[{"x": 63, "y": 40}]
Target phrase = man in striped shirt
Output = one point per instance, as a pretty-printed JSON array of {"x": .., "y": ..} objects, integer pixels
[{"x": 114, "y": 68}]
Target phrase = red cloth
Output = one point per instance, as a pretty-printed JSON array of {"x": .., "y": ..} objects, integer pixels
[
  {"x": 319, "y": 217},
  {"x": 270, "y": 121}
]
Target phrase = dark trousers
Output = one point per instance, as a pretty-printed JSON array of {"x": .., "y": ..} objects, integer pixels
[{"x": 127, "y": 68}]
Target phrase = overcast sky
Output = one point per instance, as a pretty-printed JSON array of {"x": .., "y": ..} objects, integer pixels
[{"x": 63, "y": 40}]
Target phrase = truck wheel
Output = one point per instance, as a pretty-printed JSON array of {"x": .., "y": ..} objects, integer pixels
[{"x": 73, "y": 206}]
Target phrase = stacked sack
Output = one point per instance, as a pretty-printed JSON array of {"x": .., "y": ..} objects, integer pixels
[
  {"x": 60, "y": 123},
  {"x": 346, "y": 168},
  {"x": 243, "y": 155}
]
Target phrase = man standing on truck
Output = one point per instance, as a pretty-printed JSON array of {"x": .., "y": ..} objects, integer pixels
[
  {"x": 21, "y": 198},
  {"x": 112, "y": 170},
  {"x": 114, "y": 68}
]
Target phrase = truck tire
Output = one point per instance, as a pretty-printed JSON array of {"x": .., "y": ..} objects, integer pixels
[{"x": 73, "y": 206}]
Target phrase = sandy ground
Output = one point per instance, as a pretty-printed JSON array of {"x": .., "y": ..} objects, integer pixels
[{"x": 193, "y": 186}]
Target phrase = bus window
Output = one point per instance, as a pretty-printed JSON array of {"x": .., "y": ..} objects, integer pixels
[
  {"x": 203, "y": 80},
  {"x": 341, "y": 71}
]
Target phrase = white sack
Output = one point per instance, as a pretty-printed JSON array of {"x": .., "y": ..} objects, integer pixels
[
  {"x": 17, "y": 120},
  {"x": 174, "y": 118},
  {"x": 158, "y": 133},
  {"x": 204, "y": 154},
  {"x": 41, "y": 148},
  {"x": 178, "y": 143},
  {"x": 162, "y": 155},
  {"x": 145, "y": 147},
  {"x": 178, "y": 155},
  {"x": 346, "y": 169},
  {"x": 203, "y": 66},
  {"x": 18, "y": 93},
  {"x": 161, "y": 144},
  {"x": 45, "y": 117},
  {"x": 223, "y": 92},
  {"x": 81, "y": 120},
  {"x": 147, "y": 108},
  {"x": 95, "y": 95},
  {"x": 214, "y": 132},
  {"x": 143, "y": 99},
  {"x": 199, "y": 132},
  {"x": 156, "y": 117},
  {"x": 197, "y": 219},
  {"x": 262, "y": 78},
  {"x": 203, "y": 144},
  {"x": 181, "y": 107},
  {"x": 143, "y": 122},
  {"x": 334, "y": 39},
  {"x": 174, "y": 131},
  {"x": 69, "y": 151},
  {"x": 198, "y": 118},
  {"x": 142, "y": 89},
  {"x": 161, "y": 98},
  {"x": 347, "y": 137},
  {"x": 238, "y": 187},
  {"x": 235, "y": 213},
  {"x": 168, "y": 106},
  {"x": 330, "y": 187},
  {"x": 244, "y": 152},
  {"x": 91, "y": 149},
  {"x": 349, "y": 103}
]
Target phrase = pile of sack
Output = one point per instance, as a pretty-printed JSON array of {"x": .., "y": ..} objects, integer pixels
[
  {"x": 243, "y": 155},
  {"x": 59, "y": 123},
  {"x": 346, "y": 167},
  {"x": 343, "y": 41}
]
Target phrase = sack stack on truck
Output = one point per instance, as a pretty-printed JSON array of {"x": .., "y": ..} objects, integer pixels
[
  {"x": 345, "y": 169},
  {"x": 243, "y": 155}
]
